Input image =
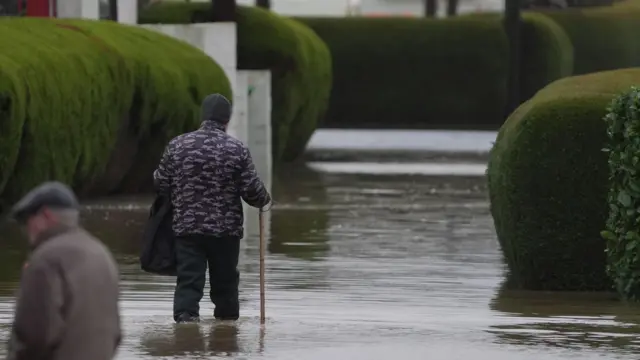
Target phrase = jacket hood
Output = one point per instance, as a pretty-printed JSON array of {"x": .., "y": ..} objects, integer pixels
[{"x": 216, "y": 107}]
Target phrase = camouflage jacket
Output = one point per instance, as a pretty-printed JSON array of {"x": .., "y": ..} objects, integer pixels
[{"x": 207, "y": 172}]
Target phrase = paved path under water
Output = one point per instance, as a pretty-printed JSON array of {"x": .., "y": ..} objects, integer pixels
[
  {"x": 360, "y": 266},
  {"x": 399, "y": 145},
  {"x": 450, "y": 141}
]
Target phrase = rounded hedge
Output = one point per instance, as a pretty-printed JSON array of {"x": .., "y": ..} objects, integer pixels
[
  {"x": 92, "y": 103},
  {"x": 548, "y": 184},
  {"x": 547, "y": 54},
  {"x": 299, "y": 61}
]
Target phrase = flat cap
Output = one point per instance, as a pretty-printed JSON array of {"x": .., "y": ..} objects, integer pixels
[{"x": 51, "y": 194}]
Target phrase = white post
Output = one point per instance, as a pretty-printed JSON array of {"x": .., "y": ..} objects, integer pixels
[
  {"x": 259, "y": 134},
  {"x": 128, "y": 12},
  {"x": 238, "y": 126},
  {"x": 238, "y": 129},
  {"x": 259, "y": 123},
  {"x": 78, "y": 9}
]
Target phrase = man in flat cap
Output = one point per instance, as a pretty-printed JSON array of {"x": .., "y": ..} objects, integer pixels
[
  {"x": 206, "y": 173},
  {"x": 67, "y": 305}
]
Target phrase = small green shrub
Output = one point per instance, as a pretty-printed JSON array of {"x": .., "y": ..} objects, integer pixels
[
  {"x": 548, "y": 184},
  {"x": 82, "y": 101},
  {"x": 299, "y": 61},
  {"x": 623, "y": 225}
]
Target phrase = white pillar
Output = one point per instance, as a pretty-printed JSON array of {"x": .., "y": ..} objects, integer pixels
[
  {"x": 259, "y": 133},
  {"x": 78, "y": 9},
  {"x": 259, "y": 124},
  {"x": 218, "y": 40},
  {"x": 238, "y": 126},
  {"x": 128, "y": 12},
  {"x": 238, "y": 129}
]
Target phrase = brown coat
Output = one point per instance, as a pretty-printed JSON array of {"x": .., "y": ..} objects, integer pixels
[{"x": 67, "y": 306}]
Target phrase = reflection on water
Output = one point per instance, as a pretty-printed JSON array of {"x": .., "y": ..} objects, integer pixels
[
  {"x": 295, "y": 233},
  {"x": 191, "y": 339},
  {"x": 12, "y": 257},
  {"x": 359, "y": 266},
  {"x": 575, "y": 321},
  {"x": 300, "y": 234}
]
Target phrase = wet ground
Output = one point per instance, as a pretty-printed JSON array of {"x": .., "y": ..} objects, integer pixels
[
  {"x": 390, "y": 145},
  {"x": 449, "y": 141},
  {"x": 362, "y": 264}
]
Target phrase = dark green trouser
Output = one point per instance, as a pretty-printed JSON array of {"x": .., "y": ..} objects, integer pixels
[{"x": 193, "y": 254}]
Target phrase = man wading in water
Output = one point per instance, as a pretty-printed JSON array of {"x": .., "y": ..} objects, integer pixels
[{"x": 207, "y": 173}]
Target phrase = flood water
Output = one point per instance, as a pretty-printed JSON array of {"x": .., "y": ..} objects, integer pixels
[{"x": 361, "y": 264}]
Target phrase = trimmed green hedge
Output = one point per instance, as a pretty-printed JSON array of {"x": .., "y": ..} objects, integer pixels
[
  {"x": 547, "y": 54},
  {"x": 391, "y": 72},
  {"x": 621, "y": 231},
  {"x": 425, "y": 73},
  {"x": 299, "y": 61},
  {"x": 548, "y": 184},
  {"x": 93, "y": 103}
]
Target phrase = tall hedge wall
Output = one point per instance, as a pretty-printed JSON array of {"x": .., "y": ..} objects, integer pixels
[
  {"x": 93, "y": 103},
  {"x": 603, "y": 38},
  {"x": 417, "y": 73},
  {"x": 425, "y": 73},
  {"x": 392, "y": 71},
  {"x": 548, "y": 184},
  {"x": 300, "y": 63}
]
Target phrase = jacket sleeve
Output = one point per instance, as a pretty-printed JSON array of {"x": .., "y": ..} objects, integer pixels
[
  {"x": 39, "y": 322},
  {"x": 163, "y": 174},
  {"x": 252, "y": 189}
]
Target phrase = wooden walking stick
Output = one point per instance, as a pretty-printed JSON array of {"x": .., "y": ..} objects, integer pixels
[{"x": 262, "y": 251}]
